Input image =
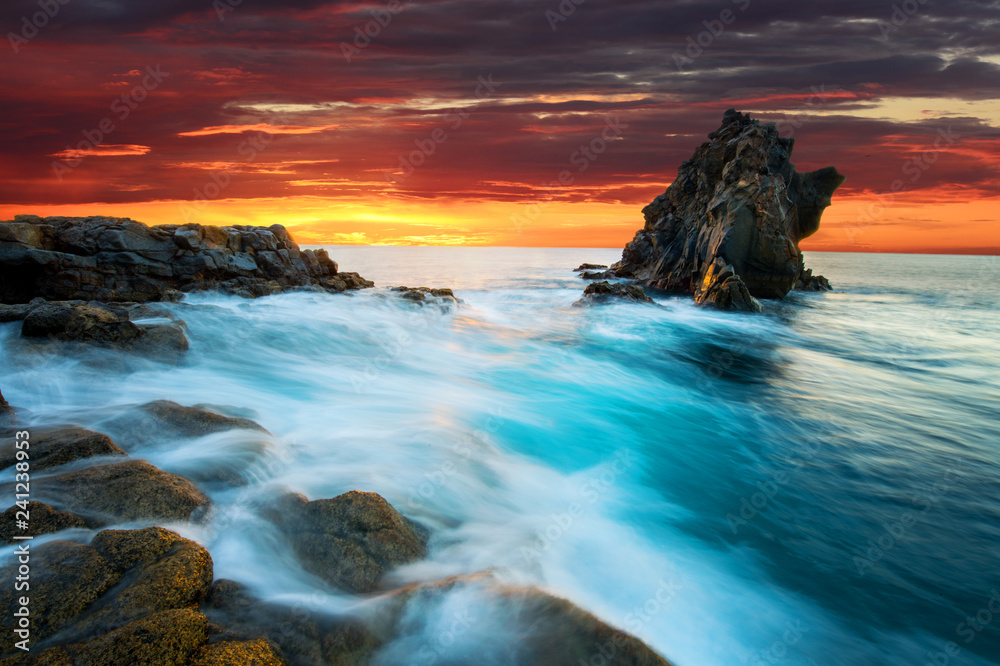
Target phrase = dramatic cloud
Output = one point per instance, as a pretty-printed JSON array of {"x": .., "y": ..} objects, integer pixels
[{"x": 442, "y": 120}]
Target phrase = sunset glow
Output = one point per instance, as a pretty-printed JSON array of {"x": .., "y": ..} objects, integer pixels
[{"x": 185, "y": 114}]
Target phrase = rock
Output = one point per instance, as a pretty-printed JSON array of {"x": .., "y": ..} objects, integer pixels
[
  {"x": 809, "y": 282},
  {"x": 301, "y": 637},
  {"x": 81, "y": 322},
  {"x": 165, "y": 420},
  {"x": 125, "y": 598},
  {"x": 118, "y": 260},
  {"x": 168, "y": 638},
  {"x": 721, "y": 288},
  {"x": 103, "y": 324},
  {"x": 588, "y": 267},
  {"x": 42, "y": 518},
  {"x": 133, "y": 490},
  {"x": 51, "y": 447},
  {"x": 425, "y": 296},
  {"x": 258, "y": 652},
  {"x": 605, "y": 292},
  {"x": 346, "y": 282},
  {"x": 597, "y": 275},
  {"x": 550, "y": 631},
  {"x": 7, "y": 414},
  {"x": 740, "y": 200},
  {"x": 350, "y": 541}
]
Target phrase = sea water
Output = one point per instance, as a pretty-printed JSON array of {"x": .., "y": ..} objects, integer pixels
[{"x": 819, "y": 484}]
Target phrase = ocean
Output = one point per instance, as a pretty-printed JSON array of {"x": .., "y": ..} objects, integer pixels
[{"x": 819, "y": 484}]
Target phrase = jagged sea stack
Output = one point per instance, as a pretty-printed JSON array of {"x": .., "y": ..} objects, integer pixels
[{"x": 728, "y": 229}]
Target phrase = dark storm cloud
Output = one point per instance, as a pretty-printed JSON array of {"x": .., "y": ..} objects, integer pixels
[{"x": 657, "y": 65}]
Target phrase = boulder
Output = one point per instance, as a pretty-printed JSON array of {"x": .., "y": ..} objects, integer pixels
[
  {"x": 351, "y": 541},
  {"x": 426, "y": 296},
  {"x": 164, "y": 420},
  {"x": 740, "y": 200},
  {"x": 81, "y": 322},
  {"x": 50, "y": 447},
  {"x": 42, "y": 519},
  {"x": 809, "y": 282},
  {"x": 103, "y": 324},
  {"x": 257, "y": 652},
  {"x": 132, "y": 490},
  {"x": 7, "y": 415},
  {"x": 597, "y": 275},
  {"x": 128, "y": 597},
  {"x": 588, "y": 267},
  {"x": 300, "y": 637},
  {"x": 723, "y": 289},
  {"x": 606, "y": 292},
  {"x": 550, "y": 631},
  {"x": 116, "y": 260}
]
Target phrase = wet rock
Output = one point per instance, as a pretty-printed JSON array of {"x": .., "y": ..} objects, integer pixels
[
  {"x": 165, "y": 420},
  {"x": 809, "y": 282},
  {"x": 42, "y": 519},
  {"x": 168, "y": 638},
  {"x": 597, "y": 275},
  {"x": 425, "y": 296},
  {"x": 125, "y": 598},
  {"x": 81, "y": 322},
  {"x": 302, "y": 637},
  {"x": 740, "y": 200},
  {"x": 588, "y": 267},
  {"x": 258, "y": 652},
  {"x": 721, "y": 288},
  {"x": 118, "y": 260},
  {"x": 133, "y": 490},
  {"x": 351, "y": 541},
  {"x": 7, "y": 415},
  {"x": 103, "y": 324},
  {"x": 51, "y": 447},
  {"x": 551, "y": 631},
  {"x": 346, "y": 282},
  {"x": 606, "y": 292}
]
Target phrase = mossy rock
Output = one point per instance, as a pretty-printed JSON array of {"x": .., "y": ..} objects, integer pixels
[
  {"x": 133, "y": 490},
  {"x": 81, "y": 593},
  {"x": 43, "y": 519},
  {"x": 258, "y": 652},
  {"x": 352, "y": 540},
  {"x": 51, "y": 447}
]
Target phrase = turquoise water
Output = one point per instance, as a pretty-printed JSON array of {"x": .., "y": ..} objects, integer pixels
[{"x": 816, "y": 485}]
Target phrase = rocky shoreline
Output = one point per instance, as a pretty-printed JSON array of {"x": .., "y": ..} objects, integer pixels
[
  {"x": 149, "y": 596},
  {"x": 102, "y": 594}
]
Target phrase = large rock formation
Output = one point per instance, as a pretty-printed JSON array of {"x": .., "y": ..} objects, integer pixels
[
  {"x": 738, "y": 201},
  {"x": 120, "y": 260}
]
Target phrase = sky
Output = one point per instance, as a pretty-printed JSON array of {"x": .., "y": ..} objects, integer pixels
[{"x": 474, "y": 122}]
